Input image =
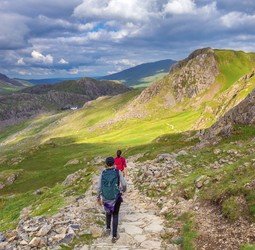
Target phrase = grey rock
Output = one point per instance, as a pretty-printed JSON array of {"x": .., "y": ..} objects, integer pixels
[
  {"x": 2, "y": 237},
  {"x": 44, "y": 230}
]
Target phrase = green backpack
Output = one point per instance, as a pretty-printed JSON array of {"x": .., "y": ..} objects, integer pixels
[{"x": 110, "y": 184}]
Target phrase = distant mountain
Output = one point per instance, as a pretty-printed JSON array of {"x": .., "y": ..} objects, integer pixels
[
  {"x": 9, "y": 85},
  {"x": 49, "y": 80},
  {"x": 142, "y": 74},
  {"x": 42, "y": 98},
  {"x": 7, "y": 80}
]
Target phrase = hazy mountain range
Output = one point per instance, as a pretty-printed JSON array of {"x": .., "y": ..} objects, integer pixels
[{"x": 143, "y": 74}]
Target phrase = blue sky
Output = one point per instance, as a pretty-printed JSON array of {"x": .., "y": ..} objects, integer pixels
[{"x": 72, "y": 38}]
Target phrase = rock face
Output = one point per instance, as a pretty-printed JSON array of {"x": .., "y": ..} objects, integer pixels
[
  {"x": 31, "y": 101},
  {"x": 242, "y": 114},
  {"x": 186, "y": 79},
  {"x": 194, "y": 74}
]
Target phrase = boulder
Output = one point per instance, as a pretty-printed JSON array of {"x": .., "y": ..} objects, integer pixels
[
  {"x": 72, "y": 178},
  {"x": 149, "y": 244},
  {"x": 162, "y": 157},
  {"x": 58, "y": 237},
  {"x": 95, "y": 231},
  {"x": 10, "y": 180},
  {"x": 98, "y": 160},
  {"x": 3, "y": 245},
  {"x": 35, "y": 242},
  {"x": 182, "y": 152},
  {"x": 23, "y": 243},
  {"x": 2, "y": 237},
  {"x": 216, "y": 151},
  {"x": 44, "y": 230},
  {"x": 72, "y": 162},
  {"x": 199, "y": 182}
]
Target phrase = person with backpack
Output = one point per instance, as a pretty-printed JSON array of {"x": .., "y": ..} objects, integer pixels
[
  {"x": 110, "y": 187},
  {"x": 120, "y": 163}
]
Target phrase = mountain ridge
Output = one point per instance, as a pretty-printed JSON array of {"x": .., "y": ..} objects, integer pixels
[
  {"x": 137, "y": 75},
  {"x": 8, "y": 85},
  {"x": 44, "y": 98}
]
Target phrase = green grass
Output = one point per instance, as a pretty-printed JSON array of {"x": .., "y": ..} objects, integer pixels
[
  {"x": 48, "y": 203},
  {"x": 85, "y": 239},
  {"x": 248, "y": 247},
  {"x": 188, "y": 232},
  {"x": 233, "y": 65},
  {"x": 10, "y": 209}
]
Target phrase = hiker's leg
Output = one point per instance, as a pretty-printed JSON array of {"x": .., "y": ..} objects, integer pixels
[
  {"x": 115, "y": 219},
  {"x": 108, "y": 220}
]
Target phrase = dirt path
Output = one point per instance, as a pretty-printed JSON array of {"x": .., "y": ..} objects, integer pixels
[{"x": 139, "y": 226}]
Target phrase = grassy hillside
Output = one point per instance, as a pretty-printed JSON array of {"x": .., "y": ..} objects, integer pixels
[
  {"x": 39, "y": 149},
  {"x": 233, "y": 65}
]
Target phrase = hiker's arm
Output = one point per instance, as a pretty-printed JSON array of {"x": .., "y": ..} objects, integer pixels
[
  {"x": 125, "y": 168},
  {"x": 99, "y": 189},
  {"x": 123, "y": 183}
]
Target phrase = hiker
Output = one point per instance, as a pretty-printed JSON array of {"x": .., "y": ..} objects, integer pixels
[
  {"x": 120, "y": 163},
  {"x": 110, "y": 187}
]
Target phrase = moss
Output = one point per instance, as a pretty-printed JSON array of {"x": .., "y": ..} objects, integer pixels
[
  {"x": 188, "y": 232},
  {"x": 232, "y": 209},
  {"x": 85, "y": 239}
]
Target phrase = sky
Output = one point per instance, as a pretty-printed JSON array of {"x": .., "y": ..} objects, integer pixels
[{"x": 73, "y": 38}]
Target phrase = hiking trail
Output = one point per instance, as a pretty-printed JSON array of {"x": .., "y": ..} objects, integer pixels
[{"x": 139, "y": 226}]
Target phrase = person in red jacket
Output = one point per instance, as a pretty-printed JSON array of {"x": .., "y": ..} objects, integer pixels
[{"x": 120, "y": 163}]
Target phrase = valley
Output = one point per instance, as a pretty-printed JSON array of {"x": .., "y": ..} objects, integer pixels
[{"x": 190, "y": 135}]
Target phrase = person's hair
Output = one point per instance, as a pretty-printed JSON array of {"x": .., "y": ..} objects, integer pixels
[
  {"x": 109, "y": 161},
  {"x": 119, "y": 152}
]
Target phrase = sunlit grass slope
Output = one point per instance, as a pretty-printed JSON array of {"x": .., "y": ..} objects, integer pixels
[{"x": 233, "y": 65}]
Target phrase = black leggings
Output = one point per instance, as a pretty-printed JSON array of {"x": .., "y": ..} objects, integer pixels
[{"x": 114, "y": 217}]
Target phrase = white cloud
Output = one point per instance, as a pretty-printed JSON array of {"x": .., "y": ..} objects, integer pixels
[
  {"x": 38, "y": 57},
  {"x": 237, "y": 19},
  {"x": 189, "y": 7},
  {"x": 21, "y": 61},
  {"x": 63, "y": 61},
  {"x": 62, "y": 23},
  {"x": 24, "y": 72},
  {"x": 180, "y": 7},
  {"x": 73, "y": 71},
  {"x": 112, "y": 9},
  {"x": 126, "y": 62}
]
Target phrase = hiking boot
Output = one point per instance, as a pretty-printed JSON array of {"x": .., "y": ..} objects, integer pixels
[
  {"x": 107, "y": 232},
  {"x": 114, "y": 239}
]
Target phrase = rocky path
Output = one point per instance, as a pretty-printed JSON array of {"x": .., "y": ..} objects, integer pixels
[{"x": 139, "y": 226}]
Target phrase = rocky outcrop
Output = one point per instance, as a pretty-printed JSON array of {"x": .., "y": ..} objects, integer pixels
[
  {"x": 186, "y": 79},
  {"x": 242, "y": 114},
  {"x": 8, "y": 178}
]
